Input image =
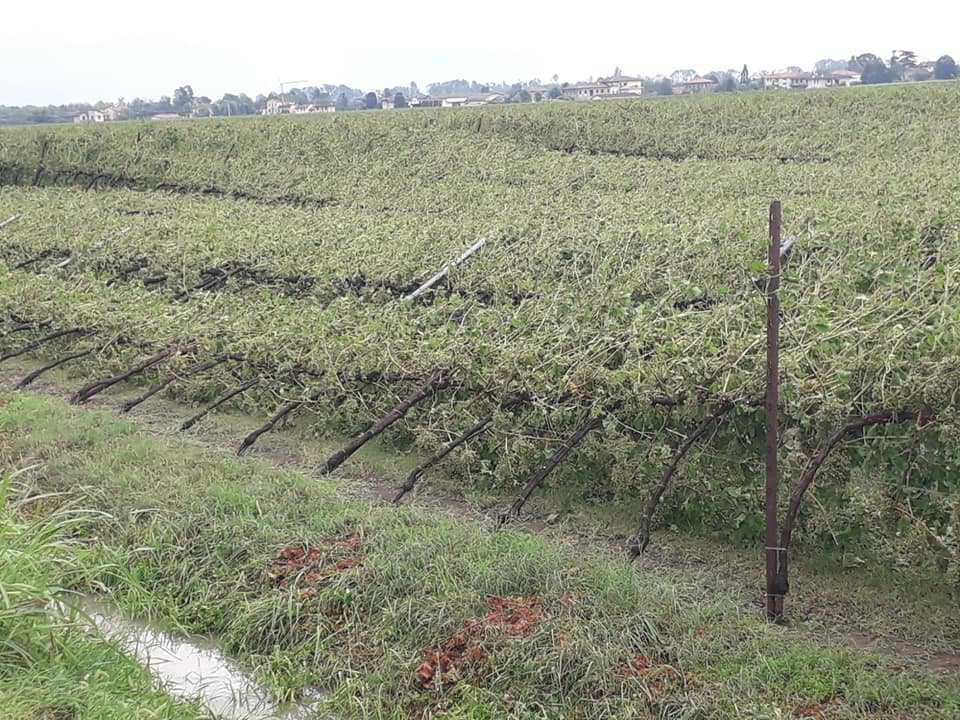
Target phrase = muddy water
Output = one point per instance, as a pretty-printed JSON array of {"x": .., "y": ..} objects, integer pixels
[{"x": 190, "y": 667}]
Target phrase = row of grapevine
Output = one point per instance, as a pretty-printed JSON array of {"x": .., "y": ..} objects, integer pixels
[{"x": 612, "y": 321}]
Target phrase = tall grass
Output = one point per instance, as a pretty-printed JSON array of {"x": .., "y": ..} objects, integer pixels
[
  {"x": 34, "y": 557},
  {"x": 49, "y": 667}
]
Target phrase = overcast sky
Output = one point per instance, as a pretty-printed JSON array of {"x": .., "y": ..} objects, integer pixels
[{"x": 54, "y": 51}]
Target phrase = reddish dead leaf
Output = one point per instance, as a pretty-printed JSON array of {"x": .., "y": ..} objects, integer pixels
[
  {"x": 351, "y": 542},
  {"x": 423, "y": 677},
  {"x": 810, "y": 712},
  {"x": 474, "y": 654},
  {"x": 299, "y": 554},
  {"x": 303, "y": 564},
  {"x": 460, "y": 651},
  {"x": 291, "y": 561},
  {"x": 516, "y": 616}
]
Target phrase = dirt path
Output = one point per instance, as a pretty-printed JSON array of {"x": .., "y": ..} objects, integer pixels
[{"x": 876, "y": 614}]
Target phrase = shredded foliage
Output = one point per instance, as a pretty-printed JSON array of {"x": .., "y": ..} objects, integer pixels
[{"x": 622, "y": 268}]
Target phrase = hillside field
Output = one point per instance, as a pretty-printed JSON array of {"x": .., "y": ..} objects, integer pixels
[{"x": 615, "y": 309}]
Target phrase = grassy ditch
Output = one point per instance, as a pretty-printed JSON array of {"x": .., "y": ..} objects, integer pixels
[
  {"x": 399, "y": 614},
  {"x": 51, "y": 669}
]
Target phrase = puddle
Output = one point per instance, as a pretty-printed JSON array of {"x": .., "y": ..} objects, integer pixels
[{"x": 190, "y": 667}]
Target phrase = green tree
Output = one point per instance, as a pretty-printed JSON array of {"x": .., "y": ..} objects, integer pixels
[
  {"x": 663, "y": 86},
  {"x": 859, "y": 62},
  {"x": 370, "y": 101},
  {"x": 744, "y": 76},
  {"x": 901, "y": 61},
  {"x": 183, "y": 99},
  {"x": 828, "y": 65},
  {"x": 231, "y": 104},
  {"x": 554, "y": 92},
  {"x": 907, "y": 58},
  {"x": 945, "y": 69},
  {"x": 343, "y": 102},
  {"x": 876, "y": 73},
  {"x": 399, "y": 101}
]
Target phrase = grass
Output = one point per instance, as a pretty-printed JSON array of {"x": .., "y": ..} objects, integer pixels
[
  {"x": 51, "y": 670},
  {"x": 86, "y": 680},
  {"x": 193, "y": 537},
  {"x": 829, "y": 597}
]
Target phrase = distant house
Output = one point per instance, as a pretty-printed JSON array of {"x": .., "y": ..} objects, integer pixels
[
  {"x": 837, "y": 78},
  {"x": 276, "y": 106},
  {"x": 624, "y": 85},
  {"x": 90, "y": 116},
  {"x": 584, "y": 91},
  {"x": 116, "y": 112},
  {"x": 313, "y": 108},
  {"x": 786, "y": 81},
  {"x": 165, "y": 116},
  {"x": 620, "y": 85},
  {"x": 454, "y": 102},
  {"x": 424, "y": 101},
  {"x": 694, "y": 86},
  {"x": 847, "y": 77},
  {"x": 539, "y": 93},
  {"x": 387, "y": 103}
]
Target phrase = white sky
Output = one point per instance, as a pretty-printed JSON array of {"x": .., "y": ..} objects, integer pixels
[{"x": 57, "y": 51}]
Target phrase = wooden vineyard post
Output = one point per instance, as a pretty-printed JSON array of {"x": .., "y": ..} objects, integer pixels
[{"x": 774, "y": 592}]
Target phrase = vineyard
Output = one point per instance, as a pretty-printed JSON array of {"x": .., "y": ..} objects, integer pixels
[{"x": 608, "y": 332}]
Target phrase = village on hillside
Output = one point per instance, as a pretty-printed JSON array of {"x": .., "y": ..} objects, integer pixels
[{"x": 903, "y": 66}]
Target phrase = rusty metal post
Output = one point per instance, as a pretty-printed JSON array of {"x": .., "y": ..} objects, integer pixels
[{"x": 774, "y": 592}]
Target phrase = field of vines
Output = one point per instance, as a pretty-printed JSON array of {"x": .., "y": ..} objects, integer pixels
[{"x": 608, "y": 336}]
